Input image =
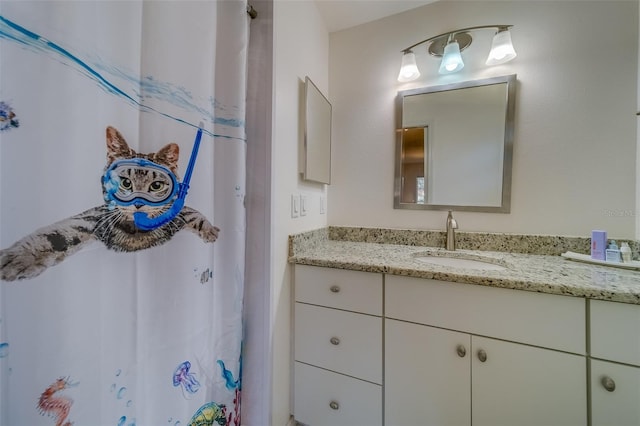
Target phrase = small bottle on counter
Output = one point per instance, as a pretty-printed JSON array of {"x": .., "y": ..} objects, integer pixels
[
  {"x": 612, "y": 254},
  {"x": 598, "y": 244},
  {"x": 625, "y": 252}
]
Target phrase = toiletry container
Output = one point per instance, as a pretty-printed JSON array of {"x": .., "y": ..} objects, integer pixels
[
  {"x": 598, "y": 244},
  {"x": 612, "y": 254},
  {"x": 625, "y": 252}
]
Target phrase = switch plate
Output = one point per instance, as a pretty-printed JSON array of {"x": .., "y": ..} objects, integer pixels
[
  {"x": 323, "y": 207},
  {"x": 303, "y": 205},
  {"x": 295, "y": 206}
]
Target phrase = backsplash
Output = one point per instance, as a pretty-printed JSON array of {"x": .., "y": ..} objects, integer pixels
[{"x": 513, "y": 243}]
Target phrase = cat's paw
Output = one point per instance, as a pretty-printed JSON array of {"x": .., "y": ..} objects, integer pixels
[
  {"x": 18, "y": 265},
  {"x": 209, "y": 233},
  {"x": 198, "y": 223}
]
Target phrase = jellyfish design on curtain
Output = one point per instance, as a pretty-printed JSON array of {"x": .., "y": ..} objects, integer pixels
[{"x": 122, "y": 221}]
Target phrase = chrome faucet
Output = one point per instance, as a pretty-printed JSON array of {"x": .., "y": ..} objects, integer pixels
[{"x": 452, "y": 225}]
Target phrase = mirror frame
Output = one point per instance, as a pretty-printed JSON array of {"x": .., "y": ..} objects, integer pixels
[
  {"x": 317, "y": 135},
  {"x": 507, "y": 162}
]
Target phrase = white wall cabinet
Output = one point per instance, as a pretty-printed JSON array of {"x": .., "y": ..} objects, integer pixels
[{"x": 615, "y": 364}]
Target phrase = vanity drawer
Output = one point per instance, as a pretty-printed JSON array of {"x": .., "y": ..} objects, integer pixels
[
  {"x": 326, "y": 398},
  {"x": 550, "y": 321},
  {"x": 339, "y": 288},
  {"x": 341, "y": 341},
  {"x": 615, "y": 331}
]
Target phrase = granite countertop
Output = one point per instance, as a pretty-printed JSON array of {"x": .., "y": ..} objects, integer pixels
[{"x": 551, "y": 274}]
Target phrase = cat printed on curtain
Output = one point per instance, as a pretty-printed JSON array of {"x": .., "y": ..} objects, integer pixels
[{"x": 111, "y": 223}]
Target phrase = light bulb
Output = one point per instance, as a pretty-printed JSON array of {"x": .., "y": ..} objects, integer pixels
[
  {"x": 501, "y": 49},
  {"x": 451, "y": 59},
  {"x": 409, "y": 69}
]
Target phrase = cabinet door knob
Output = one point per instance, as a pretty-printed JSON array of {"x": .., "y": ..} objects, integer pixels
[
  {"x": 608, "y": 383},
  {"x": 335, "y": 289},
  {"x": 334, "y": 341},
  {"x": 482, "y": 355},
  {"x": 334, "y": 405},
  {"x": 460, "y": 349}
]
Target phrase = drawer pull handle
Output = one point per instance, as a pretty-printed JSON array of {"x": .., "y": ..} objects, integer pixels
[
  {"x": 334, "y": 341},
  {"x": 460, "y": 349},
  {"x": 608, "y": 383},
  {"x": 482, "y": 355},
  {"x": 334, "y": 405},
  {"x": 335, "y": 289}
]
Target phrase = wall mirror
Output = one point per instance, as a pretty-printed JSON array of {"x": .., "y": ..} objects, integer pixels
[
  {"x": 454, "y": 146},
  {"x": 317, "y": 135}
]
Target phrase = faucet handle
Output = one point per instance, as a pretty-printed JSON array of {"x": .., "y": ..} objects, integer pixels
[
  {"x": 451, "y": 238},
  {"x": 451, "y": 222}
]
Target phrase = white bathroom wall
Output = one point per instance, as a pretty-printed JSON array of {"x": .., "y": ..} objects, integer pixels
[
  {"x": 301, "y": 48},
  {"x": 575, "y": 140}
]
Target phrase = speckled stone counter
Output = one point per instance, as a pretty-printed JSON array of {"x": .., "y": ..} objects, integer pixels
[{"x": 531, "y": 272}]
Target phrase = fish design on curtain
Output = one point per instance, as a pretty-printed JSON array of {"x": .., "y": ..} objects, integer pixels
[{"x": 154, "y": 184}]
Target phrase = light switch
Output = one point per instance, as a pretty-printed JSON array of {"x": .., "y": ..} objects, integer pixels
[
  {"x": 295, "y": 205},
  {"x": 303, "y": 205},
  {"x": 323, "y": 208}
]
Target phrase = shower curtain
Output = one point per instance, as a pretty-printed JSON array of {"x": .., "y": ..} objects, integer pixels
[{"x": 118, "y": 304}]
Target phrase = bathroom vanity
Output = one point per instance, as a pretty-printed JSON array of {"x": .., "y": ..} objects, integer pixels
[{"x": 384, "y": 337}]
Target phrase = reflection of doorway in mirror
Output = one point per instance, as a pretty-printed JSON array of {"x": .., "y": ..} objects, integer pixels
[{"x": 413, "y": 165}]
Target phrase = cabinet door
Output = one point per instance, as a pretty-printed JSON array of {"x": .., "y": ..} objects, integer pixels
[
  {"x": 426, "y": 380},
  {"x": 519, "y": 385},
  {"x": 617, "y": 404}
]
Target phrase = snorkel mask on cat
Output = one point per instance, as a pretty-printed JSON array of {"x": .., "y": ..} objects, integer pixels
[
  {"x": 120, "y": 190},
  {"x": 164, "y": 187}
]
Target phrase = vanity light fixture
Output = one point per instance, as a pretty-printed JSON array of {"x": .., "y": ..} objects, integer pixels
[{"x": 449, "y": 45}]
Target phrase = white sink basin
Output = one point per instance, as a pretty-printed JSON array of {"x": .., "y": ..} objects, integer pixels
[{"x": 457, "y": 262}]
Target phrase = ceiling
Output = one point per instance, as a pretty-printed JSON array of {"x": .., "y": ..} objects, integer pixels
[{"x": 341, "y": 14}]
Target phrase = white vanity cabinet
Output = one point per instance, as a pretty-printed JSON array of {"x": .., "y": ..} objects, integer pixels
[
  {"x": 374, "y": 349},
  {"x": 458, "y": 354},
  {"x": 337, "y": 347},
  {"x": 615, "y": 364}
]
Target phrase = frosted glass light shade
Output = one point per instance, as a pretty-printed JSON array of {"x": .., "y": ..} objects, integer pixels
[
  {"x": 409, "y": 70},
  {"x": 501, "y": 49},
  {"x": 451, "y": 59}
]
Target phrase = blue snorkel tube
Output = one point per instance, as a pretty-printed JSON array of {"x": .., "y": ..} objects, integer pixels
[{"x": 146, "y": 223}]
